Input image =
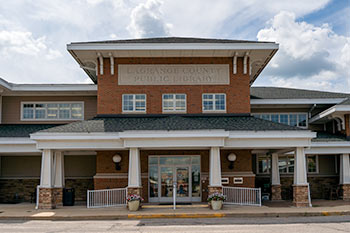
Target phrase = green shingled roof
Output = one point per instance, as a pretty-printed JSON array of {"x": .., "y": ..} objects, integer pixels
[
  {"x": 290, "y": 93},
  {"x": 121, "y": 123},
  {"x": 22, "y": 130}
]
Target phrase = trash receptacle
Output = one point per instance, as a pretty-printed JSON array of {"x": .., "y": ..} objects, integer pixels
[{"x": 68, "y": 196}]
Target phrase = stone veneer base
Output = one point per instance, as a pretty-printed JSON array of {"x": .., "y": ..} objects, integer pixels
[
  {"x": 276, "y": 192},
  {"x": 300, "y": 196},
  {"x": 346, "y": 191}
]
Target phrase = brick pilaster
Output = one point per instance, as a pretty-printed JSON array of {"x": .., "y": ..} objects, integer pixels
[
  {"x": 214, "y": 189},
  {"x": 135, "y": 190},
  {"x": 47, "y": 198}
]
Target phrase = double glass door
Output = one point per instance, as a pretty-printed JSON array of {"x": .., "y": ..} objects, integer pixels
[{"x": 166, "y": 174}]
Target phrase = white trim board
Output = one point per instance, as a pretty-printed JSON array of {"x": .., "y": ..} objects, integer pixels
[{"x": 298, "y": 101}]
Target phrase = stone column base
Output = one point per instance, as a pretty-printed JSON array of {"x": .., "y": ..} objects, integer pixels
[
  {"x": 135, "y": 190},
  {"x": 46, "y": 198},
  {"x": 276, "y": 192},
  {"x": 300, "y": 196},
  {"x": 58, "y": 193},
  {"x": 345, "y": 189}
]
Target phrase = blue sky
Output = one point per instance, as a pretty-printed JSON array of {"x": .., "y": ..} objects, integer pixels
[{"x": 314, "y": 35}]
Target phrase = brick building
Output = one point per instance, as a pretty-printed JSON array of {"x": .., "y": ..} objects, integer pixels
[{"x": 171, "y": 114}]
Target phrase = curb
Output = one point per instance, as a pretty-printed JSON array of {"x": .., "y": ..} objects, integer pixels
[{"x": 176, "y": 215}]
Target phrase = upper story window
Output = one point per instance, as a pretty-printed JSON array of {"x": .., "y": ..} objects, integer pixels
[
  {"x": 174, "y": 102},
  {"x": 214, "y": 102},
  {"x": 293, "y": 119},
  {"x": 57, "y": 111},
  {"x": 134, "y": 103}
]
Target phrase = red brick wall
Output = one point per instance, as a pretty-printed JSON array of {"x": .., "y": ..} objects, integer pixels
[{"x": 109, "y": 97}]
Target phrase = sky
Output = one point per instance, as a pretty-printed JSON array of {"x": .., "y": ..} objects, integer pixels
[{"x": 313, "y": 35}]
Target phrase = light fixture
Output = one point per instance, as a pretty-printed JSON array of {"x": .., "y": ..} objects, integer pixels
[
  {"x": 231, "y": 158},
  {"x": 116, "y": 159}
]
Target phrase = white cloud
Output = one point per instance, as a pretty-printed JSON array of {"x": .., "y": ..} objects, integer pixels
[
  {"x": 309, "y": 56},
  {"x": 20, "y": 42},
  {"x": 147, "y": 21}
]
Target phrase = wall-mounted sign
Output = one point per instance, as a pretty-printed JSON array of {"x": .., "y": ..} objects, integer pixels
[
  {"x": 238, "y": 180},
  {"x": 225, "y": 180},
  {"x": 208, "y": 74}
]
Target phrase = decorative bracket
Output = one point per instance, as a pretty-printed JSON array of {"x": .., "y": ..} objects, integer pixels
[
  {"x": 100, "y": 58},
  {"x": 245, "y": 62},
  {"x": 112, "y": 63},
  {"x": 235, "y": 63}
]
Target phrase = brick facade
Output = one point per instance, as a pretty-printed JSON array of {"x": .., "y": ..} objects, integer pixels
[
  {"x": 119, "y": 178},
  {"x": 347, "y": 126},
  {"x": 109, "y": 96}
]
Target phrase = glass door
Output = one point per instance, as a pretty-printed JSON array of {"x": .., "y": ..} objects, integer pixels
[
  {"x": 166, "y": 183},
  {"x": 183, "y": 183}
]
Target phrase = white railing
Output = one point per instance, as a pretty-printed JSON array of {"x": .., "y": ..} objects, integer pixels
[
  {"x": 242, "y": 196},
  {"x": 106, "y": 198}
]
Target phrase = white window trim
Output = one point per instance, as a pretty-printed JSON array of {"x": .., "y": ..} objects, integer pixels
[
  {"x": 214, "y": 110},
  {"x": 285, "y": 113},
  {"x": 307, "y": 165},
  {"x": 257, "y": 164},
  {"x": 174, "y": 102},
  {"x": 134, "y": 103},
  {"x": 53, "y": 102}
]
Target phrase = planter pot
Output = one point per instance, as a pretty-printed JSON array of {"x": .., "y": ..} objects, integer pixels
[
  {"x": 216, "y": 205},
  {"x": 133, "y": 205}
]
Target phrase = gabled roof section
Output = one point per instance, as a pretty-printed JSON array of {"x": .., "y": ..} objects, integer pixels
[
  {"x": 86, "y": 53},
  {"x": 120, "y": 123}
]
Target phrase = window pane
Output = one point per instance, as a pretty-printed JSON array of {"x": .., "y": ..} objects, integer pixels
[
  {"x": 128, "y": 103},
  {"x": 208, "y": 105},
  {"x": 153, "y": 181},
  {"x": 274, "y": 117},
  {"x": 52, "y": 111},
  {"x": 263, "y": 164},
  {"x": 40, "y": 111},
  {"x": 293, "y": 119},
  {"x": 77, "y": 111},
  {"x": 302, "y": 120},
  {"x": 28, "y": 111},
  {"x": 291, "y": 165},
  {"x": 64, "y": 111},
  {"x": 220, "y": 102},
  {"x": 282, "y": 164},
  {"x": 284, "y": 119},
  {"x": 311, "y": 163},
  {"x": 195, "y": 159},
  {"x": 265, "y": 116},
  {"x": 196, "y": 186},
  {"x": 153, "y": 160}
]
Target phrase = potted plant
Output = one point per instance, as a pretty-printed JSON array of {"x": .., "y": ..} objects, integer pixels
[
  {"x": 216, "y": 200},
  {"x": 134, "y": 202}
]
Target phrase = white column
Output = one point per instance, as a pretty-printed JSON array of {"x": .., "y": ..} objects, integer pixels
[
  {"x": 215, "y": 167},
  {"x": 275, "y": 173},
  {"x": 300, "y": 175},
  {"x": 344, "y": 169},
  {"x": 0, "y": 107},
  {"x": 46, "y": 177},
  {"x": 134, "y": 176},
  {"x": 58, "y": 169}
]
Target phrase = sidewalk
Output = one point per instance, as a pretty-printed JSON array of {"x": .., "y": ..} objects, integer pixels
[{"x": 272, "y": 209}]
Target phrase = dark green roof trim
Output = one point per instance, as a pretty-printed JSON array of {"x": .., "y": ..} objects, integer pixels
[
  {"x": 22, "y": 130},
  {"x": 327, "y": 137},
  {"x": 122, "y": 123}
]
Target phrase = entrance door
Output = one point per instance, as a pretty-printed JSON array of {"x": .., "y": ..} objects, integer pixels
[{"x": 184, "y": 171}]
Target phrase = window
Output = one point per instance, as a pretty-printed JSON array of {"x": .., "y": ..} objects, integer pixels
[
  {"x": 52, "y": 111},
  {"x": 134, "y": 103},
  {"x": 174, "y": 103},
  {"x": 263, "y": 164},
  {"x": 293, "y": 119},
  {"x": 214, "y": 102},
  {"x": 286, "y": 164},
  {"x": 312, "y": 161}
]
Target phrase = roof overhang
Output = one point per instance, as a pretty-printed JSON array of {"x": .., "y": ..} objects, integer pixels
[
  {"x": 174, "y": 139},
  {"x": 296, "y": 101},
  {"x": 86, "y": 53},
  {"x": 337, "y": 111}
]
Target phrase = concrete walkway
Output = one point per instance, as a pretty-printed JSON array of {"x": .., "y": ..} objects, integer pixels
[{"x": 271, "y": 209}]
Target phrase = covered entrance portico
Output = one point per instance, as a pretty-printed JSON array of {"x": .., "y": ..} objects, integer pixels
[{"x": 153, "y": 160}]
